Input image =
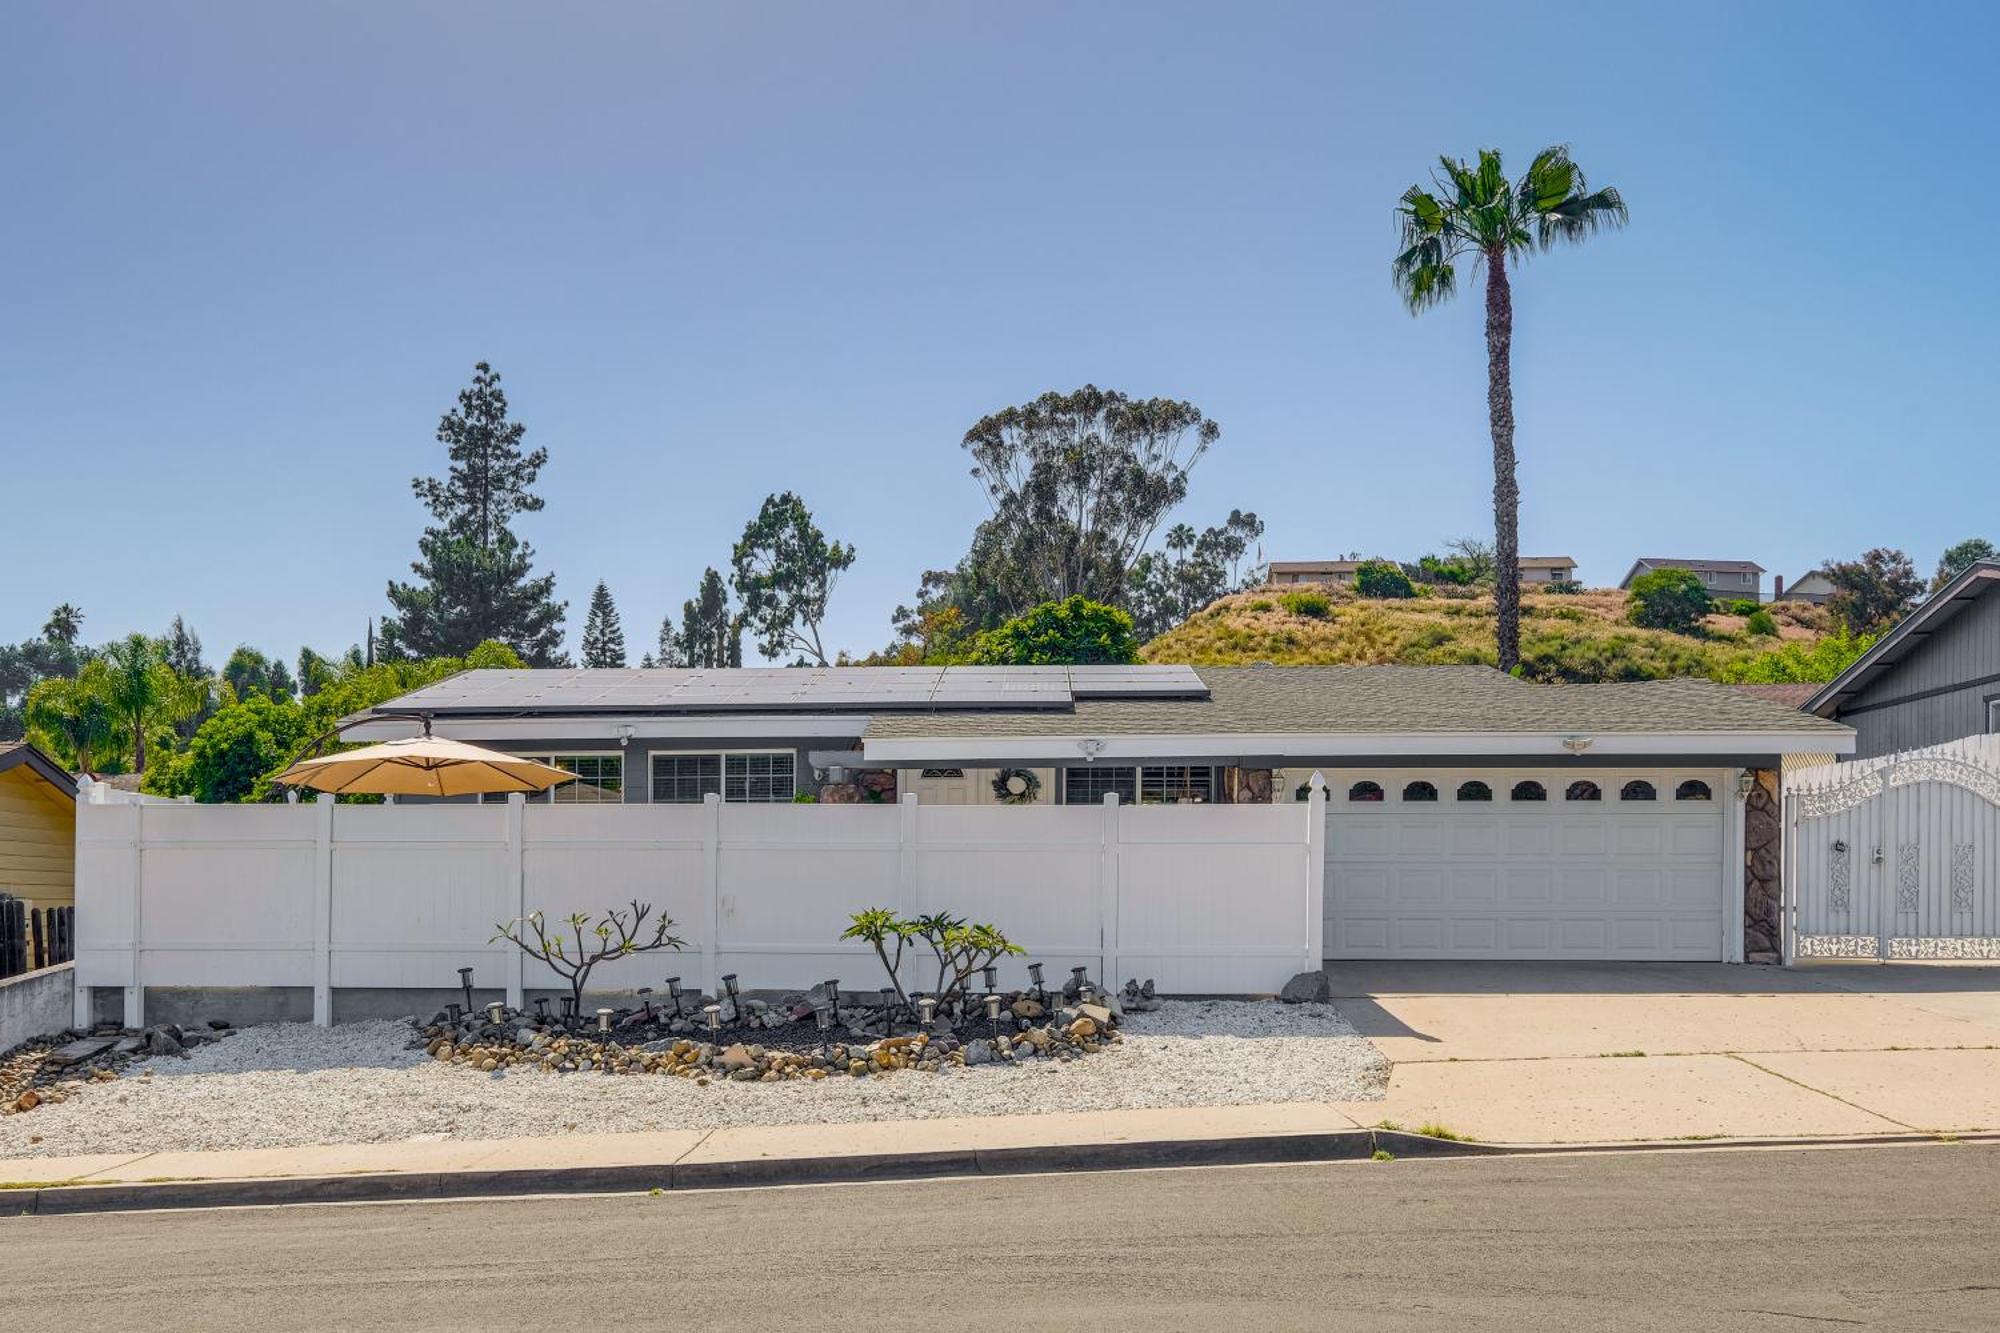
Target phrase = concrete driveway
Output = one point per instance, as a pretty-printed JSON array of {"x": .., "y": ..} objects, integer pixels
[{"x": 1558, "y": 1052}]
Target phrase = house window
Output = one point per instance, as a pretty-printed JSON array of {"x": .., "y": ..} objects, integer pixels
[
  {"x": 1638, "y": 789},
  {"x": 754, "y": 777},
  {"x": 1365, "y": 791},
  {"x": 1176, "y": 784},
  {"x": 1474, "y": 790},
  {"x": 1420, "y": 791},
  {"x": 1528, "y": 791},
  {"x": 1583, "y": 790},
  {"x": 1993, "y": 715},
  {"x": 1694, "y": 789},
  {"x": 943, "y": 774},
  {"x": 1090, "y": 784},
  {"x": 600, "y": 780}
]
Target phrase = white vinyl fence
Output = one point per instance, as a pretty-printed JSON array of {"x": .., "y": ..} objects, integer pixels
[
  {"x": 1203, "y": 899},
  {"x": 1896, "y": 857}
]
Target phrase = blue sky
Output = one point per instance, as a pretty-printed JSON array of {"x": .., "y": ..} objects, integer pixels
[{"x": 252, "y": 252}]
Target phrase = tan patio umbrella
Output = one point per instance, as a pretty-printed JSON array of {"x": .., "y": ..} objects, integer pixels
[{"x": 423, "y": 766}]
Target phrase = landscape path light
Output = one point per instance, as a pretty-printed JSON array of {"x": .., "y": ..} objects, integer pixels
[
  {"x": 494, "y": 1011},
  {"x": 465, "y": 983},
  {"x": 991, "y": 974},
  {"x": 674, "y": 991},
  {"x": 604, "y": 1040},
  {"x": 1035, "y": 975},
  {"x": 714, "y": 1014},
  {"x": 542, "y": 1007},
  {"x": 646, "y": 999},
  {"x": 833, "y": 993},
  {"x": 888, "y": 1011},
  {"x": 993, "y": 1013},
  {"x": 925, "y": 1008},
  {"x": 735, "y": 1004},
  {"x": 823, "y": 1017}
]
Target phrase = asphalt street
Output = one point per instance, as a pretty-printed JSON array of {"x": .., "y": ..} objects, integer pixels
[{"x": 1904, "y": 1238}]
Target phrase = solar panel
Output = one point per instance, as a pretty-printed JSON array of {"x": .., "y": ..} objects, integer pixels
[{"x": 790, "y": 688}]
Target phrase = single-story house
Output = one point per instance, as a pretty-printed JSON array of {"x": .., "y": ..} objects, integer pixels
[
  {"x": 1535, "y": 569},
  {"x": 1815, "y": 588},
  {"x": 1473, "y": 815},
  {"x": 1724, "y": 579},
  {"x": 1934, "y": 678},
  {"x": 37, "y": 827}
]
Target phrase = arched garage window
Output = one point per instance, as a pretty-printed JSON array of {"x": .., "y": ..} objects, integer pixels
[
  {"x": 1638, "y": 789},
  {"x": 1528, "y": 791},
  {"x": 1420, "y": 791},
  {"x": 1365, "y": 791},
  {"x": 1474, "y": 790},
  {"x": 1583, "y": 790},
  {"x": 1694, "y": 789}
]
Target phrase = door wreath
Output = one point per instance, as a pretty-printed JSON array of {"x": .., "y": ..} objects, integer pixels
[{"x": 1017, "y": 786}]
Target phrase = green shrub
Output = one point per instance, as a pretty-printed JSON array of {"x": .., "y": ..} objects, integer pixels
[
  {"x": 1760, "y": 622},
  {"x": 1742, "y": 606},
  {"x": 1791, "y": 662},
  {"x": 1260, "y": 604},
  {"x": 1380, "y": 578},
  {"x": 1066, "y": 633},
  {"x": 1669, "y": 599},
  {"x": 1563, "y": 587},
  {"x": 1308, "y": 602}
]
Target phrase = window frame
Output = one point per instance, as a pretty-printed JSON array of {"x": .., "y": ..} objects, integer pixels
[
  {"x": 722, "y": 773},
  {"x": 1993, "y": 714}
]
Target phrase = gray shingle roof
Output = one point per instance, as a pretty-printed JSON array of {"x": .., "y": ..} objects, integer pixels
[{"x": 1383, "y": 699}]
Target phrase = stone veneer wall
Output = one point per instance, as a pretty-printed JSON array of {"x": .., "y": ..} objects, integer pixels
[
  {"x": 1246, "y": 786},
  {"x": 1763, "y": 869},
  {"x": 866, "y": 784}
]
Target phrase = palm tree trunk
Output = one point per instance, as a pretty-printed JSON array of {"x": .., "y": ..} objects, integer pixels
[{"x": 1506, "y": 491}]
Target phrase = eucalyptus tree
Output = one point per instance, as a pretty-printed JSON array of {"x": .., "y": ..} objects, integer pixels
[
  {"x": 785, "y": 569},
  {"x": 1079, "y": 482},
  {"x": 1475, "y": 214}
]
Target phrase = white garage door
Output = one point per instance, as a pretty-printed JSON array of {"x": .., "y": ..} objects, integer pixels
[{"x": 1530, "y": 863}]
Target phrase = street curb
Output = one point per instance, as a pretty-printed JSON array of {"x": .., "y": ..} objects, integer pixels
[{"x": 1250, "y": 1150}]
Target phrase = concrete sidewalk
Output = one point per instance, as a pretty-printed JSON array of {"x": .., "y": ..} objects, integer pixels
[{"x": 1561, "y": 1052}]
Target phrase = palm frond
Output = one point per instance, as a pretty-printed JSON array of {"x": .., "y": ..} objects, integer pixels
[{"x": 1581, "y": 216}]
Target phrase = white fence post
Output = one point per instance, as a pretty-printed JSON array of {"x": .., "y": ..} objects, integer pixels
[
  {"x": 135, "y": 986},
  {"x": 517, "y": 894},
  {"x": 1316, "y": 874},
  {"x": 323, "y": 909},
  {"x": 711, "y": 869},
  {"x": 907, "y": 886},
  {"x": 1107, "y": 893},
  {"x": 1788, "y": 881}
]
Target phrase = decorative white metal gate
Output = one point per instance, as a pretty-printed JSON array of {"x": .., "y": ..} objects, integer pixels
[{"x": 1895, "y": 858}]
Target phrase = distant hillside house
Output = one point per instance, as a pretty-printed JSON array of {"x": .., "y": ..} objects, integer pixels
[
  {"x": 1722, "y": 578},
  {"x": 1535, "y": 569},
  {"x": 1815, "y": 588}
]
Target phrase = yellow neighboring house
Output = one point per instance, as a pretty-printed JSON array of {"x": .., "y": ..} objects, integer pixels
[{"x": 37, "y": 827}]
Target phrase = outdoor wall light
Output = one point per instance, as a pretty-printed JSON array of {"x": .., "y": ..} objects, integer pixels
[
  {"x": 1576, "y": 744},
  {"x": 1745, "y": 780}
]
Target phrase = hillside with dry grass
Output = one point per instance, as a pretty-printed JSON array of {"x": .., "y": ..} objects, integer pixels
[{"x": 1581, "y": 636}]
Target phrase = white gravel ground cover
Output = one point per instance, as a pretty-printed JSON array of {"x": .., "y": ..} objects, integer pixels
[{"x": 289, "y": 1084}]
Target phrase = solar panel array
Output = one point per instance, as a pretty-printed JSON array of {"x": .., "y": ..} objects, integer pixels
[{"x": 793, "y": 689}]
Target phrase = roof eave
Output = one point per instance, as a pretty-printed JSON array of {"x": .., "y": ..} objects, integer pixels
[
  {"x": 41, "y": 765},
  {"x": 1303, "y": 745},
  {"x": 1976, "y": 580}
]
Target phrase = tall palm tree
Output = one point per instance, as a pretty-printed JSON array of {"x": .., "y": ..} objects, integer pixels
[
  {"x": 1476, "y": 213},
  {"x": 143, "y": 690}
]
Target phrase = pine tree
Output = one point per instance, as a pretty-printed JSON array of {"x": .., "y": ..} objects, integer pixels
[
  {"x": 474, "y": 579},
  {"x": 668, "y": 653},
  {"x": 603, "y": 636},
  {"x": 711, "y": 635}
]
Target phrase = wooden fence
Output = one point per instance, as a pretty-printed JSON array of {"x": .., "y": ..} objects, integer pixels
[{"x": 32, "y": 938}]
